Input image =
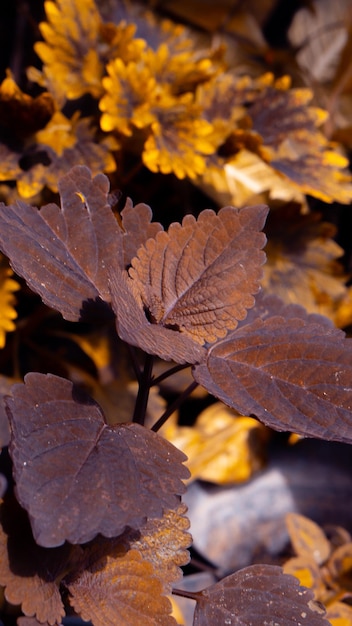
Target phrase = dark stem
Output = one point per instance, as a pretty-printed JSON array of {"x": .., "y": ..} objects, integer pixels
[
  {"x": 134, "y": 360},
  {"x": 186, "y": 594},
  {"x": 170, "y": 372},
  {"x": 174, "y": 406},
  {"x": 140, "y": 408}
]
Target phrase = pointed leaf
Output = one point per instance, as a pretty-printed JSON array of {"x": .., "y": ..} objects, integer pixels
[
  {"x": 121, "y": 589},
  {"x": 138, "y": 227},
  {"x": 75, "y": 475},
  {"x": 64, "y": 254},
  {"x": 292, "y": 370},
  {"x": 199, "y": 278},
  {"x": 134, "y": 327},
  {"x": 257, "y": 595}
]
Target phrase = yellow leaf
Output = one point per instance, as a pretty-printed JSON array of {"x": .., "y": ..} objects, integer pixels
[
  {"x": 58, "y": 133},
  {"x": 221, "y": 447},
  {"x": 339, "y": 614},
  {"x": 7, "y": 301},
  {"x": 307, "y": 538},
  {"x": 307, "y": 572}
]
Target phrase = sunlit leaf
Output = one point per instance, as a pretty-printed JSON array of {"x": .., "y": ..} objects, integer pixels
[
  {"x": 307, "y": 538},
  {"x": 257, "y": 595},
  {"x": 163, "y": 543},
  {"x": 8, "y": 313},
  {"x": 339, "y": 614},
  {"x": 308, "y": 573},
  {"x": 64, "y": 254},
  {"x": 289, "y": 369},
  {"x": 75, "y": 475},
  {"x": 221, "y": 447},
  {"x": 77, "y": 45},
  {"x": 122, "y": 589},
  {"x": 200, "y": 277}
]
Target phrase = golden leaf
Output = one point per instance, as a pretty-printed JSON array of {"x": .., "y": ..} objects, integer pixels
[
  {"x": 308, "y": 573},
  {"x": 163, "y": 543},
  {"x": 121, "y": 588},
  {"x": 76, "y": 47},
  {"x": 339, "y": 614},
  {"x": 307, "y": 538},
  {"x": 7, "y": 301},
  {"x": 221, "y": 447}
]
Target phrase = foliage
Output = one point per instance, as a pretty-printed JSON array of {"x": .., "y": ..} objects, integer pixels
[{"x": 157, "y": 313}]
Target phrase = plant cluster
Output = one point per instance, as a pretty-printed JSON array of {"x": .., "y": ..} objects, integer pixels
[{"x": 92, "y": 521}]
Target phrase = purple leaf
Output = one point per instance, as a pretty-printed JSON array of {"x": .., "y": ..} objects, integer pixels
[
  {"x": 258, "y": 595},
  {"x": 292, "y": 370},
  {"x": 64, "y": 254},
  {"x": 75, "y": 475}
]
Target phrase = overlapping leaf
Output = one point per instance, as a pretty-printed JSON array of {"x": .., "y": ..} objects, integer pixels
[
  {"x": 164, "y": 543},
  {"x": 29, "y": 573},
  {"x": 138, "y": 227},
  {"x": 122, "y": 589},
  {"x": 257, "y": 595},
  {"x": 64, "y": 255},
  {"x": 75, "y": 475},
  {"x": 291, "y": 370},
  {"x": 199, "y": 278}
]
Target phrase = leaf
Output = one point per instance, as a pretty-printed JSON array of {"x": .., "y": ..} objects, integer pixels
[
  {"x": 339, "y": 614},
  {"x": 7, "y": 301},
  {"x": 199, "y": 278},
  {"x": 21, "y": 114},
  {"x": 29, "y": 573},
  {"x": 289, "y": 369},
  {"x": 308, "y": 574},
  {"x": 340, "y": 566},
  {"x": 64, "y": 254},
  {"x": 307, "y": 538},
  {"x": 163, "y": 543},
  {"x": 257, "y": 595},
  {"x": 134, "y": 327},
  {"x": 138, "y": 227},
  {"x": 122, "y": 589},
  {"x": 75, "y": 475},
  {"x": 221, "y": 447}
]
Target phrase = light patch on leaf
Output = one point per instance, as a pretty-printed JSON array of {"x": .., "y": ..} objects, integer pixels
[{"x": 221, "y": 447}]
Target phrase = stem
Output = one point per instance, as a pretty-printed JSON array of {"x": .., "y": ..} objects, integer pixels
[
  {"x": 143, "y": 391},
  {"x": 135, "y": 363},
  {"x": 170, "y": 372},
  {"x": 186, "y": 594},
  {"x": 174, "y": 406}
]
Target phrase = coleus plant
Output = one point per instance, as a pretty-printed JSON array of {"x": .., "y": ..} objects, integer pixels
[{"x": 95, "y": 519}]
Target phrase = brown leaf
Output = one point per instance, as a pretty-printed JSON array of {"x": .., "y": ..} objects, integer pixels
[
  {"x": 257, "y": 595},
  {"x": 134, "y": 327},
  {"x": 121, "y": 589},
  {"x": 307, "y": 538},
  {"x": 290, "y": 369},
  {"x": 138, "y": 227},
  {"x": 75, "y": 475},
  {"x": 163, "y": 543},
  {"x": 29, "y": 573},
  {"x": 64, "y": 254},
  {"x": 199, "y": 278}
]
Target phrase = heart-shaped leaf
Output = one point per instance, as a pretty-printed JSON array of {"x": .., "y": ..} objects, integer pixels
[
  {"x": 293, "y": 371},
  {"x": 75, "y": 475},
  {"x": 199, "y": 278},
  {"x": 257, "y": 595},
  {"x": 64, "y": 254}
]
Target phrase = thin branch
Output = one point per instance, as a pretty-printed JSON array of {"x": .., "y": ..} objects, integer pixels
[
  {"x": 174, "y": 406},
  {"x": 170, "y": 372},
  {"x": 140, "y": 408},
  {"x": 186, "y": 594}
]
